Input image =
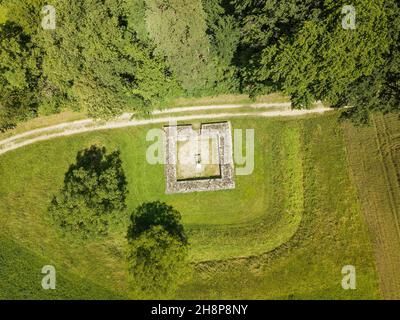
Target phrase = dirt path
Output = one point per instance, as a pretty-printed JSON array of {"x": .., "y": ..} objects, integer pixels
[
  {"x": 128, "y": 116},
  {"x": 126, "y": 120}
]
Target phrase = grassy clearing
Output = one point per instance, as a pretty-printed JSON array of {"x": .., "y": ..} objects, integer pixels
[
  {"x": 220, "y": 225},
  {"x": 374, "y": 159},
  {"x": 277, "y": 161},
  {"x": 298, "y": 205},
  {"x": 242, "y": 214},
  {"x": 331, "y": 235}
]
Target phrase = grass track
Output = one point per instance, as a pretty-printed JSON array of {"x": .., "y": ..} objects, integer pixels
[{"x": 374, "y": 159}]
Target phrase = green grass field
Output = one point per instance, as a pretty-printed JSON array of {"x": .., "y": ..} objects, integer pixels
[
  {"x": 374, "y": 158},
  {"x": 284, "y": 232}
]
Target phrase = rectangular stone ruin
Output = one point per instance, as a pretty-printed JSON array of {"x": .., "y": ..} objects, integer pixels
[{"x": 199, "y": 160}]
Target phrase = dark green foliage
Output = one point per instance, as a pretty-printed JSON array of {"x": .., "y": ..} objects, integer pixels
[
  {"x": 157, "y": 255},
  {"x": 19, "y": 75},
  {"x": 300, "y": 48},
  {"x": 224, "y": 34},
  {"x": 178, "y": 28},
  {"x": 152, "y": 214},
  {"x": 95, "y": 59},
  {"x": 359, "y": 116},
  {"x": 199, "y": 40},
  {"x": 93, "y": 196},
  {"x": 380, "y": 91},
  {"x": 105, "y": 57}
]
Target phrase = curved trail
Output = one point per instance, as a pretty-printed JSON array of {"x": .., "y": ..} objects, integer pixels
[{"x": 126, "y": 120}]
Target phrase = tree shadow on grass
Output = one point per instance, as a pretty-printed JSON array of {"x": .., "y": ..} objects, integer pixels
[{"x": 156, "y": 213}]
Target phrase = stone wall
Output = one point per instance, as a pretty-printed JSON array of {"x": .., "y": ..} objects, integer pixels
[{"x": 223, "y": 132}]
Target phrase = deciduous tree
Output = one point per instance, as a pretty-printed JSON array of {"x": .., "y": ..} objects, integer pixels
[
  {"x": 93, "y": 196},
  {"x": 157, "y": 256}
]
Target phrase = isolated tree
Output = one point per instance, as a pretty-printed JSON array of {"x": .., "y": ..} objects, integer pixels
[
  {"x": 158, "y": 249},
  {"x": 93, "y": 196}
]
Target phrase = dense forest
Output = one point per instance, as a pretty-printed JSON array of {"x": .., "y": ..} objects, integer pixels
[{"x": 104, "y": 57}]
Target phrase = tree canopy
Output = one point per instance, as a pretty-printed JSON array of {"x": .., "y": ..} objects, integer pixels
[
  {"x": 20, "y": 71},
  {"x": 157, "y": 256},
  {"x": 106, "y": 57},
  {"x": 178, "y": 29},
  {"x": 93, "y": 196},
  {"x": 301, "y": 48},
  {"x": 93, "y": 61}
]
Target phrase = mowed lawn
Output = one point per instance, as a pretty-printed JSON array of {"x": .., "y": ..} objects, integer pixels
[
  {"x": 286, "y": 231},
  {"x": 374, "y": 158}
]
